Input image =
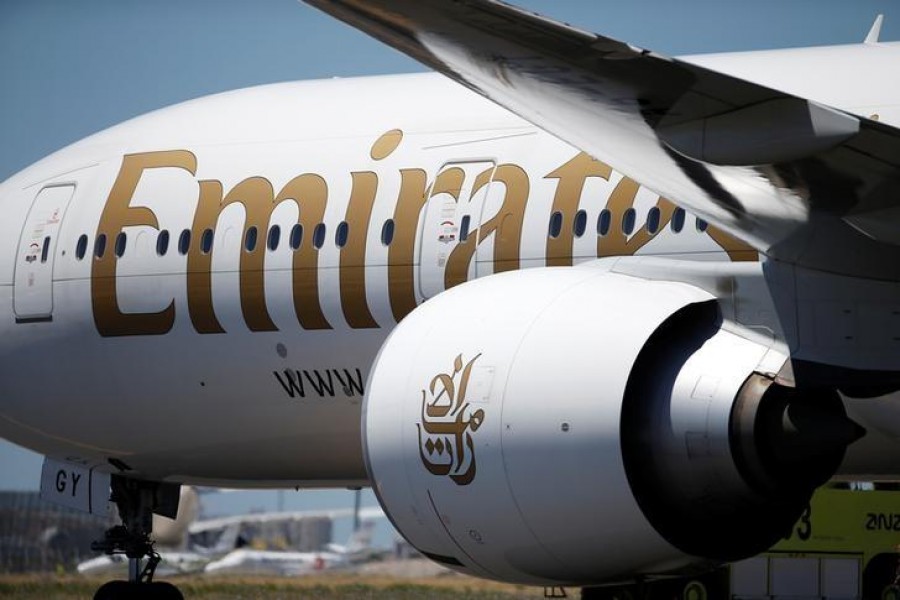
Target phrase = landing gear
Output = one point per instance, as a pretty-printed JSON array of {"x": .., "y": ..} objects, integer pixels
[{"x": 137, "y": 501}]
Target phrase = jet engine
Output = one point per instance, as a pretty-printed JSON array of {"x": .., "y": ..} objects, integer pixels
[{"x": 573, "y": 426}]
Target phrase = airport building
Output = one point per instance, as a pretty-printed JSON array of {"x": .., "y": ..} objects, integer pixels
[{"x": 38, "y": 536}]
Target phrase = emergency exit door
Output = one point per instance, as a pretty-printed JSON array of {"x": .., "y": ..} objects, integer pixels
[
  {"x": 452, "y": 213},
  {"x": 33, "y": 289}
]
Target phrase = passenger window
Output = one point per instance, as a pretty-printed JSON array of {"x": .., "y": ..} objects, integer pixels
[
  {"x": 319, "y": 236},
  {"x": 387, "y": 232},
  {"x": 250, "y": 239},
  {"x": 702, "y": 225},
  {"x": 678, "y": 220},
  {"x": 341, "y": 234},
  {"x": 206, "y": 241},
  {"x": 628, "y": 221},
  {"x": 464, "y": 228},
  {"x": 45, "y": 249},
  {"x": 603, "y": 222},
  {"x": 296, "y": 236},
  {"x": 274, "y": 238},
  {"x": 184, "y": 242},
  {"x": 162, "y": 242},
  {"x": 555, "y": 224},
  {"x": 100, "y": 246},
  {"x": 653, "y": 220},
  {"x": 121, "y": 241},
  {"x": 580, "y": 223},
  {"x": 81, "y": 247}
]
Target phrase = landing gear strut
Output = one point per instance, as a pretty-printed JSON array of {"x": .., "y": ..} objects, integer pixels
[{"x": 137, "y": 501}]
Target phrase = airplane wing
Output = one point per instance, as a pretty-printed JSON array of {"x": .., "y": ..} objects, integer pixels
[{"x": 800, "y": 181}]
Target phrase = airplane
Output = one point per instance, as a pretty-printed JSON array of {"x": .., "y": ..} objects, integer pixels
[
  {"x": 180, "y": 553},
  {"x": 221, "y": 524},
  {"x": 247, "y": 561},
  {"x": 595, "y": 317},
  {"x": 171, "y": 562}
]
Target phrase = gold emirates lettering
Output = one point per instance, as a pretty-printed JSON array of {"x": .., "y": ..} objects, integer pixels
[
  {"x": 309, "y": 191},
  {"x": 571, "y": 179},
  {"x": 117, "y": 214},
  {"x": 505, "y": 226},
  {"x": 447, "y": 424}
]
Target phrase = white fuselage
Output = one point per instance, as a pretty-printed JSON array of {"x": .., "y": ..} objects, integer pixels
[
  {"x": 272, "y": 562},
  {"x": 238, "y": 362}
]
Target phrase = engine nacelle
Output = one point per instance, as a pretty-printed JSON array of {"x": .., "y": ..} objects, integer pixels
[{"x": 575, "y": 426}]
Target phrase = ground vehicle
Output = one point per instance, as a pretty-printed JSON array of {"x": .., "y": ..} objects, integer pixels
[{"x": 844, "y": 546}]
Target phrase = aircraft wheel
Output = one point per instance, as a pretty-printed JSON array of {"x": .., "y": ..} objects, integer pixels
[
  {"x": 891, "y": 592},
  {"x": 694, "y": 591},
  {"x": 113, "y": 590},
  {"x": 126, "y": 590}
]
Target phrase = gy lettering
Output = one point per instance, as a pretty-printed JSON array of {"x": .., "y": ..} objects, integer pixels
[{"x": 63, "y": 479}]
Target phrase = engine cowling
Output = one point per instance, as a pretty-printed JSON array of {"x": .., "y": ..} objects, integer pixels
[{"x": 575, "y": 426}]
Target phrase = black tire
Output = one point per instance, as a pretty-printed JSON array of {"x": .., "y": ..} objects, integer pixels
[
  {"x": 113, "y": 590},
  {"x": 878, "y": 575},
  {"x": 125, "y": 590},
  {"x": 694, "y": 590}
]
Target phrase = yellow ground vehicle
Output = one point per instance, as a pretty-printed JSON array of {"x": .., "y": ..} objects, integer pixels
[{"x": 845, "y": 546}]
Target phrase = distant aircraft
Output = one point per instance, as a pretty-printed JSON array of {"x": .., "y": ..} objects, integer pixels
[
  {"x": 224, "y": 523},
  {"x": 172, "y": 562},
  {"x": 245, "y": 561},
  {"x": 612, "y": 317},
  {"x": 179, "y": 555}
]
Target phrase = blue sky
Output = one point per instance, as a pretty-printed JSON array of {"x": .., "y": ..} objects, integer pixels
[
  {"x": 69, "y": 69},
  {"x": 72, "y": 68}
]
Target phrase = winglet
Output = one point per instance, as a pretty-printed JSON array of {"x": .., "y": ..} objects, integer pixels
[{"x": 875, "y": 32}]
